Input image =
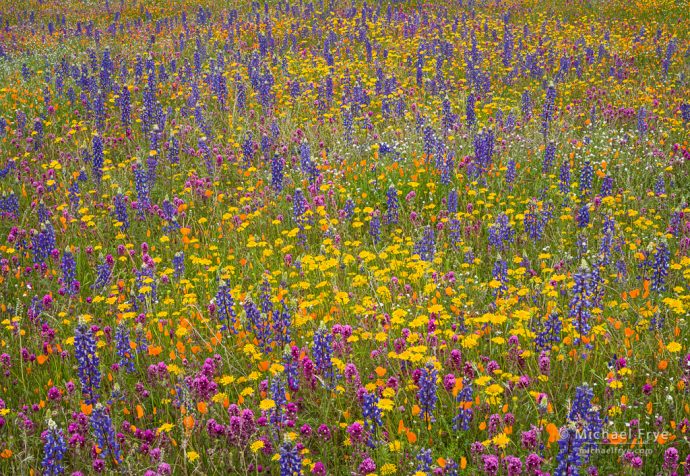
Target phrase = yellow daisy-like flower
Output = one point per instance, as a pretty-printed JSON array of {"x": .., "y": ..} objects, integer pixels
[
  {"x": 501, "y": 440},
  {"x": 165, "y": 427},
  {"x": 388, "y": 468},
  {"x": 494, "y": 390},
  {"x": 257, "y": 445},
  {"x": 674, "y": 347},
  {"x": 192, "y": 456}
]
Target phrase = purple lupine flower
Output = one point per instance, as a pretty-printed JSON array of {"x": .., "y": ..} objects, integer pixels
[
  {"x": 205, "y": 151},
  {"x": 9, "y": 205},
  {"x": 323, "y": 353},
  {"x": 291, "y": 367},
  {"x": 54, "y": 449},
  {"x": 178, "y": 265},
  {"x": 299, "y": 207},
  {"x": 69, "y": 272},
  {"x": 568, "y": 458},
  {"x": 452, "y": 202},
  {"x": 295, "y": 89},
  {"x": 220, "y": 87},
  {"x": 375, "y": 227},
  {"x": 259, "y": 324},
  {"x": 143, "y": 188},
  {"x": 87, "y": 359},
  {"x": 448, "y": 119},
  {"x": 606, "y": 245},
  {"x": 551, "y": 333},
  {"x": 277, "y": 165},
  {"x": 549, "y": 157},
  {"x": 278, "y": 395},
  {"x": 152, "y": 160},
  {"x": 465, "y": 398},
  {"x": 265, "y": 297},
  {"x": 642, "y": 121},
  {"x": 547, "y": 113},
  {"x": 38, "y": 136},
  {"x": 20, "y": 121},
  {"x": 483, "y": 150},
  {"x": 225, "y": 304},
  {"x": 685, "y": 112},
  {"x": 308, "y": 166},
  {"x": 580, "y": 436},
  {"x": 174, "y": 150},
  {"x": 510, "y": 172},
  {"x": 660, "y": 186},
  {"x": 581, "y": 303},
  {"x": 535, "y": 221},
  {"x": 104, "y": 432},
  {"x": 526, "y": 105},
  {"x": 120, "y": 211},
  {"x": 371, "y": 413},
  {"x": 419, "y": 69},
  {"x": 427, "y": 392},
  {"x": 507, "y": 46},
  {"x": 501, "y": 234},
  {"x": 426, "y": 246},
  {"x": 43, "y": 243},
  {"x": 348, "y": 122},
  {"x": 282, "y": 321},
  {"x": 240, "y": 94},
  {"x": 125, "y": 103},
  {"x": 73, "y": 196},
  {"x": 455, "y": 232},
  {"x": 564, "y": 177},
  {"x": 586, "y": 177},
  {"x": 425, "y": 460},
  {"x": 607, "y": 186},
  {"x": 265, "y": 90},
  {"x": 290, "y": 460},
  {"x": 392, "y": 205},
  {"x": 124, "y": 350},
  {"x": 248, "y": 148},
  {"x": 429, "y": 140},
  {"x": 583, "y": 216},
  {"x": 470, "y": 115},
  {"x": 662, "y": 257},
  {"x": 500, "y": 274},
  {"x": 349, "y": 208}
]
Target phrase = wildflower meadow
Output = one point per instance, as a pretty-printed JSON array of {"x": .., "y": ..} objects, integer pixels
[{"x": 344, "y": 237}]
